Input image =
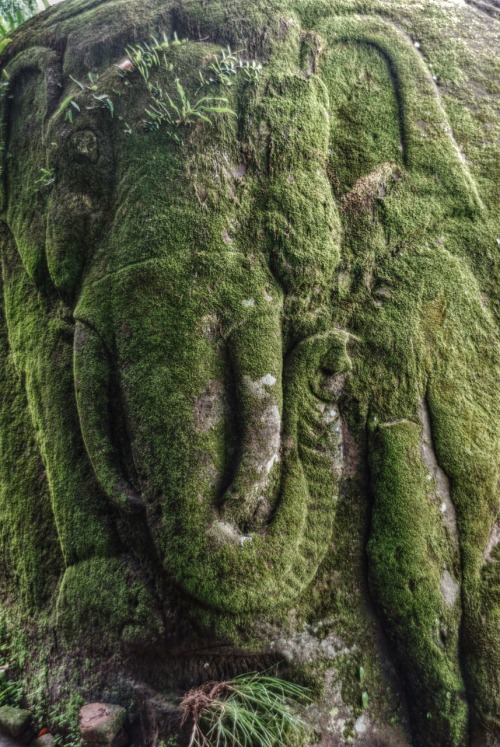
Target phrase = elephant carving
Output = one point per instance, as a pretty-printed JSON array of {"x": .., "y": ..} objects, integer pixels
[{"x": 201, "y": 321}]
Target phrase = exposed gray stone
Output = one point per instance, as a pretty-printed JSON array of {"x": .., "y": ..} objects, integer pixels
[
  {"x": 449, "y": 589},
  {"x": 14, "y": 721},
  {"x": 102, "y": 723},
  {"x": 438, "y": 480}
]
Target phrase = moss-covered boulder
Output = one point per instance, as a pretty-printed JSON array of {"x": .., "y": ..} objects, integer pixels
[
  {"x": 15, "y": 722},
  {"x": 249, "y": 360}
]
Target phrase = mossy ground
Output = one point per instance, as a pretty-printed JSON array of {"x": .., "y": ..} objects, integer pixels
[{"x": 354, "y": 191}]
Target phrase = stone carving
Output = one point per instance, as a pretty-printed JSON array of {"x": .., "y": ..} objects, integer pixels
[{"x": 218, "y": 337}]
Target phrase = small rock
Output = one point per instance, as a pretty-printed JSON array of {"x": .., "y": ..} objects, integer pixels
[
  {"x": 14, "y": 721},
  {"x": 125, "y": 64},
  {"x": 46, "y": 740},
  {"x": 361, "y": 724},
  {"x": 102, "y": 723}
]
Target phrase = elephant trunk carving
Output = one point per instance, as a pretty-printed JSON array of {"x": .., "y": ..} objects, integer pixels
[{"x": 197, "y": 540}]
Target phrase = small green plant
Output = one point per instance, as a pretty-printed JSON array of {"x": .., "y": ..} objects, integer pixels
[
  {"x": 69, "y": 106},
  {"x": 145, "y": 57},
  {"x": 11, "y": 693},
  {"x": 224, "y": 70},
  {"x": 46, "y": 178},
  {"x": 63, "y": 107},
  {"x": 64, "y": 718},
  {"x": 178, "y": 111},
  {"x": 246, "y": 711}
]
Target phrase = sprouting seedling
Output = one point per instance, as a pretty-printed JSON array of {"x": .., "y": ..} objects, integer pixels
[
  {"x": 250, "y": 69},
  {"x": 176, "y": 42},
  {"x": 146, "y": 56},
  {"x": 224, "y": 69},
  {"x": 187, "y": 113},
  {"x": 90, "y": 86},
  {"x": 106, "y": 101}
]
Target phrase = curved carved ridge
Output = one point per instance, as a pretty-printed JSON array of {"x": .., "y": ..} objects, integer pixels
[
  {"x": 42, "y": 63},
  {"x": 280, "y": 562},
  {"x": 491, "y": 7},
  {"x": 417, "y": 562},
  {"x": 419, "y": 102}
]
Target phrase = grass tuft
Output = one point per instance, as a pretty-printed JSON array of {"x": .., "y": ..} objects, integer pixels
[{"x": 247, "y": 711}]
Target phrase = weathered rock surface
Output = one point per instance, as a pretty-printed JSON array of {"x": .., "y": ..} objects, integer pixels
[
  {"x": 102, "y": 723},
  {"x": 249, "y": 354}
]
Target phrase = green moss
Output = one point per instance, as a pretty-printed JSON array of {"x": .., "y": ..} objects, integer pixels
[
  {"x": 405, "y": 561},
  {"x": 14, "y": 721},
  {"x": 106, "y": 594},
  {"x": 210, "y": 282}
]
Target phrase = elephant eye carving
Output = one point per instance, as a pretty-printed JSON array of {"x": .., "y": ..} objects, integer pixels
[{"x": 84, "y": 144}]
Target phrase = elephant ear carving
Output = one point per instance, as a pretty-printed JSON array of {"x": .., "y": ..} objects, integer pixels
[
  {"x": 31, "y": 91},
  {"x": 411, "y": 128},
  {"x": 30, "y": 559}
]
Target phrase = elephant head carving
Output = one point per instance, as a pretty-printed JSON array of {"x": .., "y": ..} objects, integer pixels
[
  {"x": 196, "y": 273},
  {"x": 181, "y": 281}
]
